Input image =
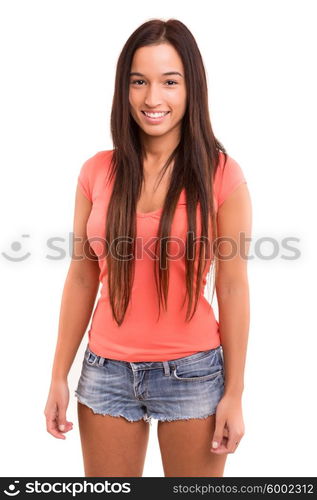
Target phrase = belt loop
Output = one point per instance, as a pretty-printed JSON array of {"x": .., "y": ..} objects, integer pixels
[
  {"x": 101, "y": 361},
  {"x": 166, "y": 368}
]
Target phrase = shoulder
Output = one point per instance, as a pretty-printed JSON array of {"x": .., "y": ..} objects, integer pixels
[
  {"x": 94, "y": 170},
  {"x": 97, "y": 162},
  {"x": 229, "y": 175}
]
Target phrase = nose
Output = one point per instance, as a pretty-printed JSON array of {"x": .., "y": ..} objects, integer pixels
[{"x": 152, "y": 98}]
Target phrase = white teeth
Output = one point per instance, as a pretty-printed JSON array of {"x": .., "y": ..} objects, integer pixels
[{"x": 155, "y": 115}]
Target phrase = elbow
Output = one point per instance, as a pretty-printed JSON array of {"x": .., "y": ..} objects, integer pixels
[{"x": 232, "y": 287}]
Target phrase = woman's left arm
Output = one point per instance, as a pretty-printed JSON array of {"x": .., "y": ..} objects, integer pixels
[{"x": 234, "y": 221}]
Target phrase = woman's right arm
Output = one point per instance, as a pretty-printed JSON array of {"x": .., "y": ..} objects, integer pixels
[{"x": 78, "y": 298}]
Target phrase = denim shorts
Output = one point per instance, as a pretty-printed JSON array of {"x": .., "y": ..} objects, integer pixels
[{"x": 182, "y": 388}]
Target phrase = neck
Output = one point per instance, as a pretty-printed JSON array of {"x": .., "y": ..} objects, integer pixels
[{"x": 156, "y": 150}]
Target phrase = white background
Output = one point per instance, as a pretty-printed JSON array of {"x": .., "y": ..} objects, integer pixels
[{"x": 58, "y": 63}]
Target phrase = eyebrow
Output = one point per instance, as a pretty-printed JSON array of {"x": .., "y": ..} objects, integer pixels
[{"x": 135, "y": 73}]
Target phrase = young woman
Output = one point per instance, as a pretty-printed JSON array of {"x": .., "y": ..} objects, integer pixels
[{"x": 150, "y": 215}]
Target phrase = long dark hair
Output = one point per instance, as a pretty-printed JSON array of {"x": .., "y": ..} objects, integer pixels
[{"x": 195, "y": 158}]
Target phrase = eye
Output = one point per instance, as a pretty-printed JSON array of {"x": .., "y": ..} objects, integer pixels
[
  {"x": 167, "y": 81},
  {"x": 135, "y": 81}
]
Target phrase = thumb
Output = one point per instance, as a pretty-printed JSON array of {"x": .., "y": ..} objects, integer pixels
[
  {"x": 218, "y": 434},
  {"x": 61, "y": 419}
]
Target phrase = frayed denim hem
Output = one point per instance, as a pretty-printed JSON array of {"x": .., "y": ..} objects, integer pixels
[
  {"x": 82, "y": 401},
  {"x": 171, "y": 419}
]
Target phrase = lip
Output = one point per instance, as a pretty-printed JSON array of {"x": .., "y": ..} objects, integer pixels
[{"x": 154, "y": 120}]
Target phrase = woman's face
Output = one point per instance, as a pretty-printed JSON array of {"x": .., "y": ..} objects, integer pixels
[{"x": 151, "y": 90}]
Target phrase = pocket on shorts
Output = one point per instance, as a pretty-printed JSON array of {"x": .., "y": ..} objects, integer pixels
[{"x": 208, "y": 368}]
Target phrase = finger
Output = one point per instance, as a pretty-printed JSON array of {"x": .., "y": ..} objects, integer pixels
[
  {"x": 222, "y": 448},
  {"x": 69, "y": 426},
  {"x": 218, "y": 433},
  {"x": 231, "y": 445},
  {"x": 65, "y": 427},
  {"x": 63, "y": 424},
  {"x": 61, "y": 418},
  {"x": 51, "y": 427}
]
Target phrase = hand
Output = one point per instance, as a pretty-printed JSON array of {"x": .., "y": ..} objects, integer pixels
[
  {"x": 229, "y": 425},
  {"x": 55, "y": 410}
]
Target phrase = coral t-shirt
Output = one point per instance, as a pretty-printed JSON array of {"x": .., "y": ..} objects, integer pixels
[{"x": 142, "y": 336}]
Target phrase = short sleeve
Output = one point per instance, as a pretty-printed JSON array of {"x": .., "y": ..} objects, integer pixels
[
  {"x": 231, "y": 177},
  {"x": 84, "y": 180}
]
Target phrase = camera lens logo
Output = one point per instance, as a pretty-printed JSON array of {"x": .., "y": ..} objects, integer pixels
[
  {"x": 16, "y": 247},
  {"x": 12, "y": 492}
]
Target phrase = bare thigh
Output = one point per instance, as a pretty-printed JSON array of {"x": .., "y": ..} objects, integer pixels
[
  {"x": 185, "y": 448},
  {"x": 112, "y": 446}
]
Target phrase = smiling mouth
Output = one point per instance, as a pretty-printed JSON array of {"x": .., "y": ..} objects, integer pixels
[{"x": 165, "y": 113}]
